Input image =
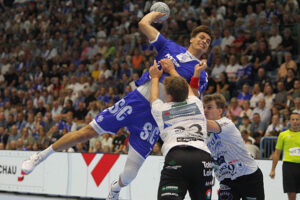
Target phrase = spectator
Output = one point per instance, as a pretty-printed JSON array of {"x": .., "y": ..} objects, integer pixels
[
  {"x": 257, "y": 126},
  {"x": 281, "y": 96},
  {"x": 289, "y": 63},
  {"x": 247, "y": 111},
  {"x": 274, "y": 126},
  {"x": 269, "y": 96},
  {"x": 232, "y": 68},
  {"x": 253, "y": 149},
  {"x": 289, "y": 80},
  {"x": 14, "y": 134},
  {"x": 275, "y": 42},
  {"x": 256, "y": 95},
  {"x": 118, "y": 141},
  {"x": 244, "y": 94},
  {"x": 27, "y": 140},
  {"x": 156, "y": 150},
  {"x": 287, "y": 44},
  {"x": 244, "y": 74},
  {"x": 227, "y": 39},
  {"x": 218, "y": 68},
  {"x": 222, "y": 86},
  {"x": 263, "y": 111},
  {"x": 234, "y": 109},
  {"x": 245, "y": 126},
  {"x": 106, "y": 141}
]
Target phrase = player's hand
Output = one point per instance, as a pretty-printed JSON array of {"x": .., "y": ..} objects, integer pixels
[
  {"x": 154, "y": 71},
  {"x": 272, "y": 174},
  {"x": 199, "y": 68},
  {"x": 157, "y": 15},
  {"x": 167, "y": 65}
]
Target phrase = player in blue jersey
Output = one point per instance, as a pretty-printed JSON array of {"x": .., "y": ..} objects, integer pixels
[{"x": 134, "y": 111}]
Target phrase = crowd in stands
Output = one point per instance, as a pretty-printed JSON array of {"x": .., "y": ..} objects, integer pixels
[{"x": 64, "y": 61}]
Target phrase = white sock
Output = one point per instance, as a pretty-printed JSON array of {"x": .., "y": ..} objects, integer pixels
[
  {"x": 115, "y": 186},
  {"x": 47, "y": 152}
]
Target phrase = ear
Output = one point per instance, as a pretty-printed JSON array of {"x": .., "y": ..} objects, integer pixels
[{"x": 191, "y": 40}]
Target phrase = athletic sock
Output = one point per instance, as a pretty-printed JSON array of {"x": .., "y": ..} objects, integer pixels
[
  {"x": 47, "y": 152},
  {"x": 115, "y": 186}
]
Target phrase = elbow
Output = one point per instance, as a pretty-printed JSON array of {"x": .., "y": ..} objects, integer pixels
[{"x": 141, "y": 25}]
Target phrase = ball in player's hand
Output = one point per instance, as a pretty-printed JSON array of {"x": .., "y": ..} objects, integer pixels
[{"x": 161, "y": 7}]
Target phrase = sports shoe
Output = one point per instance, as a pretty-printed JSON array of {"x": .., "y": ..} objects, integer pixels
[
  {"x": 29, "y": 164},
  {"x": 113, "y": 195}
]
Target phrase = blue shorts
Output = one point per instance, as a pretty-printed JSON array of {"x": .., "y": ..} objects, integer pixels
[{"x": 134, "y": 112}]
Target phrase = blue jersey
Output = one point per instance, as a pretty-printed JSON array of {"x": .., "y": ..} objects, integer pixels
[{"x": 183, "y": 61}]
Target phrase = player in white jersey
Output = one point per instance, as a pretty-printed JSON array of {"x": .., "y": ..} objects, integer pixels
[
  {"x": 236, "y": 170},
  {"x": 181, "y": 121}
]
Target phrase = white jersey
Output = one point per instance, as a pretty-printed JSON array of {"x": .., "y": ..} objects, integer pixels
[
  {"x": 229, "y": 153},
  {"x": 181, "y": 123}
]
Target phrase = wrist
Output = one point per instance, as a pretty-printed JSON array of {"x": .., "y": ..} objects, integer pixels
[{"x": 194, "y": 83}]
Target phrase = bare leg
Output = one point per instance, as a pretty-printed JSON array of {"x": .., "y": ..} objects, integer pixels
[
  {"x": 72, "y": 138},
  {"x": 292, "y": 196}
]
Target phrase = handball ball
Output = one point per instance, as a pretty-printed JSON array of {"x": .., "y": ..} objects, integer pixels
[{"x": 161, "y": 7}]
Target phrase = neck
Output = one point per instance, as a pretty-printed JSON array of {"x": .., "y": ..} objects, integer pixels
[{"x": 195, "y": 52}]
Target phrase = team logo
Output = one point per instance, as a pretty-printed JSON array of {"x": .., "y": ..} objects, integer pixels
[
  {"x": 150, "y": 133},
  {"x": 99, "y": 119}
]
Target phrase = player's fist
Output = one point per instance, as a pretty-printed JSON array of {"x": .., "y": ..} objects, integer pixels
[
  {"x": 199, "y": 68},
  {"x": 154, "y": 71},
  {"x": 272, "y": 174}
]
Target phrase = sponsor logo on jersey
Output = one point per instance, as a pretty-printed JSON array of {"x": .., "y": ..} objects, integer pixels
[
  {"x": 294, "y": 151},
  {"x": 186, "y": 110}
]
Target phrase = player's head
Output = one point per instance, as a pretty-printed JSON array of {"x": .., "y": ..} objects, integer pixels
[
  {"x": 176, "y": 89},
  {"x": 295, "y": 121},
  {"x": 201, "y": 38},
  {"x": 214, "y": 106}
]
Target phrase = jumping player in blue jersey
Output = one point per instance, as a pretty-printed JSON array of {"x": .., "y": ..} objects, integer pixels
[{"x": 134, "y": 111}]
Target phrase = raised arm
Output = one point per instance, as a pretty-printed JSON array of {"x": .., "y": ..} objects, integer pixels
[
  {"x": 155, "y": 74},
  {"x": 195, "y": 80},
  {"x": 145, "y": 24},
  {"x": 213, "y": 126}
]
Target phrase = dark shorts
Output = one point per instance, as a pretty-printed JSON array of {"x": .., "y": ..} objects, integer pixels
[
  {"x": 291, "y": 177},
  {"x": 186, "y": 169},
  {"x": 245, "y": 187}
]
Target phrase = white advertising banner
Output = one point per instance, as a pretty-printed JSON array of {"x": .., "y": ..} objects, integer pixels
[{"x": 90, "y": 175}]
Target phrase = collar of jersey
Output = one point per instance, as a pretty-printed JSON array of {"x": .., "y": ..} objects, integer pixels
[{"x": 191, "y": 55}]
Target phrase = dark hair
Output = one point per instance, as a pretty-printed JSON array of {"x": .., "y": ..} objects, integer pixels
[
  {"x": 202, "y": 28},
  {"x": 177, "y": 87}
]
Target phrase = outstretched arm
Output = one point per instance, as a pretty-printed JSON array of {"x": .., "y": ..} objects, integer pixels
[
  {"x": 146, "y": 27},
  {"x": 155, "y": 74}
]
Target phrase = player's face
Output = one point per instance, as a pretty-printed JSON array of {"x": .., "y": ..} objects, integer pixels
[
  {"x": 201, "y": 42},
  {"x": 212, "y": 112}
]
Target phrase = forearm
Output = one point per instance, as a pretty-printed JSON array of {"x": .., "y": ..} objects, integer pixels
[
  {"x": 213, "y": 126},
  {"x": 146, "y": 28},
  {"x": 154, "y": 91},
  {"x": 275, "y": 159}
]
